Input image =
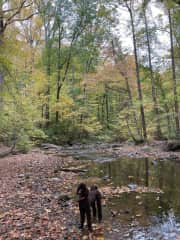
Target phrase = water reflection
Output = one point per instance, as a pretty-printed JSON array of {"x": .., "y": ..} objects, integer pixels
[{"x": 150, "y": 206}]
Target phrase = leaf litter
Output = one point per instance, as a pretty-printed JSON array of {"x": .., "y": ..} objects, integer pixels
[
  {"x": 37, "y": 200},
  {"x": 38, "y": 203}
]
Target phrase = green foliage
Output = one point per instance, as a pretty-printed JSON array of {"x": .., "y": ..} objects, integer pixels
[
  {"x": 75, "y": 122},
  {"x": 68, "y": 47},
  {"x": 20, "y": 126}
]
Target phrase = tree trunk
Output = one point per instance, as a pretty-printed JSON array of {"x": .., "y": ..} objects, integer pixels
[
  {"x": 102, "y": 109},
  {"x": 146, "y": 172},
  {"x": 131, "y": 101},
  {"x": 176, "y": 107},
  {"x": 107, "y": 107},
  {"x": 58, "y": 73},
  {"x": 129, "y": 129},
  {"x": 137, "y": 75},
  {"x": 166, "y": 107},
  {"x": 128, "y": 91},
  {"x": 47, "y": 114},
  {"x": 57, "y": 100},
  {"x": 1, "y": 23},
  {"x": 48, "y": 72},
  {"x": 98, "y": 109},
  {"x": 153, "y": 88}
]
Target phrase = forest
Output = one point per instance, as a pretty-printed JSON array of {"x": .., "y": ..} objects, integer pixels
[
  {"x": 80, "y": 71},
  {"x": 90, "y": 94}
]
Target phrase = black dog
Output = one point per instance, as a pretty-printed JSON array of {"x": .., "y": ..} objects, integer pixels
[
  {"x": 84, "y": 206},
  {"x": 95, "y": 202}
]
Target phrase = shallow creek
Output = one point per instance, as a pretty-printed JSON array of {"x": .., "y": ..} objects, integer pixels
[{"x": 135, "y": 215}]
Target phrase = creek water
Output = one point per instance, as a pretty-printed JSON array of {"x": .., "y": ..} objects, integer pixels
[
  {"x": 148, "y": 215},
  {"x": 139, "y": 216}
]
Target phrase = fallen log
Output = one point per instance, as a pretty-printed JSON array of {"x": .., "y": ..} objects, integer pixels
[
  {"x": 6, "y": 153},
  {"x": 75, "y": 170}
]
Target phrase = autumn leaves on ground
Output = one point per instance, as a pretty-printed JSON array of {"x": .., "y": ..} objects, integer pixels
[
  {"x": 33, "y": 199},
  {"x": 38, "y": 199}
]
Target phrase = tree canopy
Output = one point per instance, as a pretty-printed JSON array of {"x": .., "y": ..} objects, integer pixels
[{"x": 78, "y": 70}]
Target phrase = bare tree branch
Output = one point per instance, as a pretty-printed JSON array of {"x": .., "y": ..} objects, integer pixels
[
  {"x": 12, "y": 18},
  {"x": 23, "y": 19}
]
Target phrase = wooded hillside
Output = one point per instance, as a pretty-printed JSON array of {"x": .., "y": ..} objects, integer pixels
[{"x": 67, "y": 75}]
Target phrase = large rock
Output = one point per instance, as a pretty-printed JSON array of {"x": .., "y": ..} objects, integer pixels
[
  {"x": 173, "y": 145},
  {"x": 49, "y": 146}
]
